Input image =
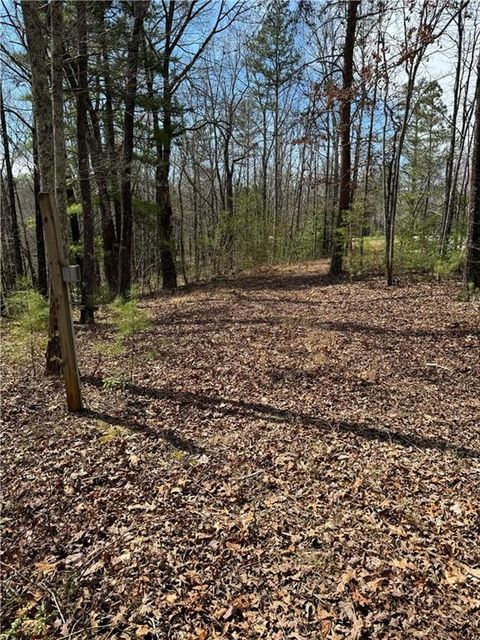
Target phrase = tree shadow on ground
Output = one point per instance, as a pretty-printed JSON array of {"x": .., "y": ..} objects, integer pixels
[
  {"x": 272, "y": 281},
  {"x": 357, "y": 327},
  {"x": 367, "y": 303},
  {"x": 132, "y": 425},
  {"x": 286, "y": 282},
  {"x": 217, "y": 320},
  {"x": 261, "y": 411}
]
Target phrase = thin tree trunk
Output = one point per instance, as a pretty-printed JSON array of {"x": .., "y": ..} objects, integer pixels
[
  {"x": 42, "y": 281},
  {"x": 8, "y": 264},
  {"x": 125, "y": 253},
  {"x": 26, "y": 247},
  {"x": 169, "y": 272},
  {"x": 17, "y": 245},
  {"x": 56, "y": 8},
  {"x": 37, "y": 50},
  {"x": 364, "y": 213},
  {"x": 472, "y": 265},
  {"x": 100, "y": 168},
  {"x": 344, "y": 200},
  {"x": 450, "y": 183},
  {"x": 56, "y": 30},
  {"x": 113, "y": 229},
  {"x": 88, "y": 276}
]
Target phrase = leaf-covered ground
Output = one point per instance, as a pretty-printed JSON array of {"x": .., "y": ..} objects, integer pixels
[{"x": 296, "y": 458}]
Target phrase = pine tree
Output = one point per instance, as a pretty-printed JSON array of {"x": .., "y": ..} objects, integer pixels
[
  {"x": 425, "y": 154},
  {"x": 273, "y": 60}
]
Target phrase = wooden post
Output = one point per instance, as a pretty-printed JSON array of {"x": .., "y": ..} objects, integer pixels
[{"x": 61, "y": 292}]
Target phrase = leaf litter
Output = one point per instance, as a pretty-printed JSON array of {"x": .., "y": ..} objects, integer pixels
[{"x": 299, "y": 460}]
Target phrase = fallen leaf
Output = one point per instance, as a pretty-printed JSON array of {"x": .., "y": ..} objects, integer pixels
[
  {"x": 46, "y": 567},
  {"x": 94, "y": 568},
  {"x": 143, "y": 630}
]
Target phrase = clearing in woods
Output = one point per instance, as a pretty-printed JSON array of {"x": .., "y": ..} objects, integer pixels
[{"x": 296, "y": 458}]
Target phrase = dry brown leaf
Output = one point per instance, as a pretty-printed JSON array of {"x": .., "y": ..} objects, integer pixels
[
  {"x": 143, "y": 630},
  {"x": 325, "y": 627},
  {"x": 94, "y": 568},
  {"x": 120, "y": 615},
  {"x": 171, "y": 598},
  {"x": 46, "y": 567},
  {"x": 403, "y": 563}
]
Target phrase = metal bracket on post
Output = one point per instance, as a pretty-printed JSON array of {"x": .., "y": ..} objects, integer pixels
[{"x": 59, "y": 275}]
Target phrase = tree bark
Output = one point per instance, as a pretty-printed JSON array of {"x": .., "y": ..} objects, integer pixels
[
  {"x": 42, "y": 280},
  {"x": 112, "y": 230},
  {"x": 125, "y": 253},
  {"x": 450, "y": 183},
  {"x": 88, "y": 276},
  {"x": 17, "y": 245},
  {"x": 56, "y": 29},
  {"x": 37, "y": 50},
  {"x": 368, "y": 161},
  {"x": 344, "y": 199},
  {"x": 472, "y": 265},
  {"x": 169, "y": 271},
  {"x": 56, "y": 15}
]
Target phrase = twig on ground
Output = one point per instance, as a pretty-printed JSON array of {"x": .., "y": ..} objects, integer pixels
[
  {"x": 251, "y": 475},
  {"x": 439, "y": 366}
]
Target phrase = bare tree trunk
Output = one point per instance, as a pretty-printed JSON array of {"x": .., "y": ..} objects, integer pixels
[
  {"x": 366, "y": 186},
  {"x": 169, "y": 272},
  {"x": 42, "y": 281},
  {"x": 17, "y": 245},
  {"x": 26, "y": 247},
  {"x": 56, "y": 29},
  {"x": 345, "y": 125},
  {"x": 472, "y": 265},
  {"x": 56, "y": 8},
  {"x": 328, "y": 188},
  {"x": 7, "y": 263},
  {"x": 125, "y": 253},
  {"x": 276, "y": 165},
  {"x": 112, "y": 230},
  {"x": 100, "y": 168},
  {"x": 450, "y": 183},
  {"x": 229, "y": 164},
  {"x": 265, "y": 213},
  {"x": 162, "y": 169},
  {"x": 182, "y": 217},
  {"x": 88, "y": 276},
  {"x": 109, "y": 238},
  {"x": 37, "y": 49}
]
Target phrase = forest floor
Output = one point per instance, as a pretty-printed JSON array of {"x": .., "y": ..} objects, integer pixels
[{"x": 296, "y": 458}]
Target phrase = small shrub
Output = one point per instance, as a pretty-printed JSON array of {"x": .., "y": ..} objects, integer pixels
[
  {"x": 28, "y": 624},
  {"x": 129, "y": 320},
  {"x": 116, "y": 382},
  {"x": 451, "y": 265},
  {"x": 470, "y": 293},
  {"x": 29, "y": 311}
]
